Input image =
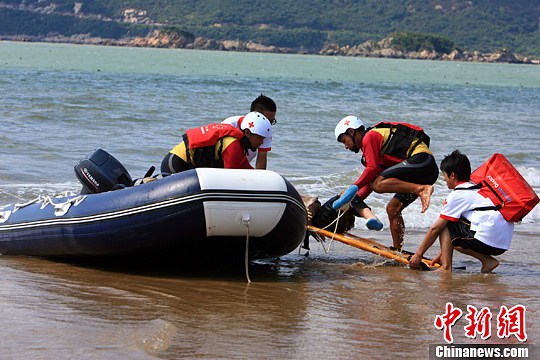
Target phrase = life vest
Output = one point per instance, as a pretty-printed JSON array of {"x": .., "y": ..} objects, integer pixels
[
  {"x": 201, "y": 144},
  {"x": 403, "y": 139},
  {"x": 510, "y": 193}
]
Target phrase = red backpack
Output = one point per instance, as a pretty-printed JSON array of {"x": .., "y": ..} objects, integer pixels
[{"x": 507, "y": 189}]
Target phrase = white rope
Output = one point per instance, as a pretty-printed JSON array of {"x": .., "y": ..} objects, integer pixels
[
  {"x": 340, "y": 214},
  {"x": 336, "y": 221},
  {"x": 4, "y": 216},
  {"x": 245, "y": 221},
  {"x": 20, "y": 206},
  {"x": 60, "y": 208}
]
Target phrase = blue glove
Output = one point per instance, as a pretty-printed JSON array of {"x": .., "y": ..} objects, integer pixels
[{"x": 346, "y": 198}]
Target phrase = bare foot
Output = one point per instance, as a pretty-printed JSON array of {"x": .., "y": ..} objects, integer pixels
[
  {"x": 436, "y": 260},
  {"x": 489, "y": 264},
  {"x": 425, "y": 195}
]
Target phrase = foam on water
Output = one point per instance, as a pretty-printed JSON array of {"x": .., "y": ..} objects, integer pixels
[{"x": 327, "y": 186}]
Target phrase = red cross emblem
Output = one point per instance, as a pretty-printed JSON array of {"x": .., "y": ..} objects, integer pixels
[
  {"x": 251, "y": 124},
  {"x": 347, "y": 122}
]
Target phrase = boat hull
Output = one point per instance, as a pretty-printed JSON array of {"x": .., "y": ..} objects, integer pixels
[{"x": 197, "y": 213}]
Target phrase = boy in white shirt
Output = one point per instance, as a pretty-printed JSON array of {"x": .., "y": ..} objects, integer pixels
[{"x": 468, "y": 221}]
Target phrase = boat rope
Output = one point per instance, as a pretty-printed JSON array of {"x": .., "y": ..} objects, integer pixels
[
  {"x": 340, "y": 214},
  {"x": 336, "y": 221},
  {"x": 60, "y": 208},
  {"x": 4, "y": 216},
  {"x": 30, "y": 202},
  {"x": 245, "y": 220}
]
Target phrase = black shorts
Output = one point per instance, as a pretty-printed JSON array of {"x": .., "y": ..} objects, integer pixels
[
  {"x": 418, "y": 169},
  {"x": 462, "y": 236},
  {"x": 173, "y": 164},
  {"x": 359, "y": 204}
]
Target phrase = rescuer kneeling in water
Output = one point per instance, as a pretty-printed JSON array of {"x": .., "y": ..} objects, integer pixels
[{"x": 469, "y": 222}]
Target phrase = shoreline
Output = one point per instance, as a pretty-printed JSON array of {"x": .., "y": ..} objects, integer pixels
[{"x": 369, "y": 49}]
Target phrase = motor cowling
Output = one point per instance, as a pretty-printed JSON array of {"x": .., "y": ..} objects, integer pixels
[{"x": 101, "y": 172}]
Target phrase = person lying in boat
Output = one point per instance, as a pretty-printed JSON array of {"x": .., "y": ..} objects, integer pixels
[
  {"x": 218, "y": 145},
  {"x": 397, "y": 160},
  {"x": 268, "y": 108},
  {"x": 462, "y": 212}
]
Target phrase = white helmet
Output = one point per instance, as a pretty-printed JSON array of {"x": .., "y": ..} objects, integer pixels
[
  {"x": 348, "y": 122},
  {"x": 257, "y": 123}
]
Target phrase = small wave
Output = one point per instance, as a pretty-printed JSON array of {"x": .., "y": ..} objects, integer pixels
[
  {"x": 376, "y": 261},
  {"x": 17, "y": 193},
  {"x": 327, "y": 186},
  {"x": 156, "y": 336},
  {"x": 532, "y": 175}
]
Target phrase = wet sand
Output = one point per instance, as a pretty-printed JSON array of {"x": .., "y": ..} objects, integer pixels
[{"x": 338, "y": 305}]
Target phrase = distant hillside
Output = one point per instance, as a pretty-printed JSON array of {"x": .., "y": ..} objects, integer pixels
[{"x": 483, "y": 25}]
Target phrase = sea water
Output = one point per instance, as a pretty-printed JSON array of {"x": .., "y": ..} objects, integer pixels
[{"x": 60, "y": 102}]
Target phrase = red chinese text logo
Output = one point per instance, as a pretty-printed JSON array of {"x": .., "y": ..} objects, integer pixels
[{"x": 509, "y": 322}]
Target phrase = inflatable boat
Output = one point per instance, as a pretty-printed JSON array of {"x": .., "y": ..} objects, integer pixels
[{"x": 200, "y": 214}]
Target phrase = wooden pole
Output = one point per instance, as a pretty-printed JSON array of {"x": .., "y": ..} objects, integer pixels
[{"x": 371, "y": 246}]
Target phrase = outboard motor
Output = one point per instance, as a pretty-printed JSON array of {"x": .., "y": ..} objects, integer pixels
[{"x": 101, "y": 172}]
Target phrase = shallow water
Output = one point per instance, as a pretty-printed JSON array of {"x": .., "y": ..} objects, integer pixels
[{"x": 341, "y": 305}]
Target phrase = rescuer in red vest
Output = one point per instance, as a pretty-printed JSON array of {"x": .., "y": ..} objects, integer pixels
[
  {"x": 397, "y": 160},
  {"x": 218, "y": 145},
  {"x": 268, "y": 108}
]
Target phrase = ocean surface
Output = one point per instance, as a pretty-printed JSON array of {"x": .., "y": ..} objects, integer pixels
[{"x": 60, "y": 102}]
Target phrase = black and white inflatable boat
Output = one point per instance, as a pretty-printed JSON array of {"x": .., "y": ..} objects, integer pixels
[{"x": 197, "y": 214}]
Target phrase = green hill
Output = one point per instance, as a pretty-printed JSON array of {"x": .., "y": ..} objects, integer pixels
[{"x": 483, "y": 25}]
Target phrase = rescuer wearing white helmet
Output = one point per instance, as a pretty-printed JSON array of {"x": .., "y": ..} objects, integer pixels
[
  {"x": 218, "y": 145},
  {"x": 359, "y": 207},
  {"x": 397, "y": 160},
  {"x": 255, "y": 123},
  {"x": 266, "y": 106},
  {"x": 349, "y": 122}
]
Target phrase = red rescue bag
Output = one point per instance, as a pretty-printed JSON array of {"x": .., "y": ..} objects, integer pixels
[{"x": 506, "y": 188}]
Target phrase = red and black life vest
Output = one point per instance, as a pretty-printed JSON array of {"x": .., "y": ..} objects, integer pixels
[
  {"x": 203, "y": 140},
  {"x": 401, "y": 141}
]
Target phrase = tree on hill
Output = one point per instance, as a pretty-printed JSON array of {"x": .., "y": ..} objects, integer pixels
[
  {"x": 484, "y": 25},
  {"x": 408, "y": 42}
]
